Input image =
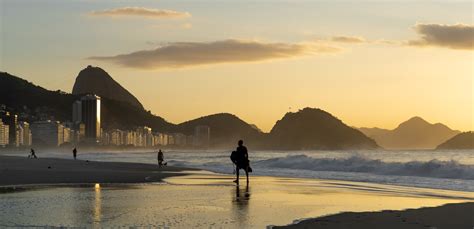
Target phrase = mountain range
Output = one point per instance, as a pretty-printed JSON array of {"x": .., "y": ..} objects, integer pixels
[
  {"x": 415, "y": 133},
  {"x": 308, "y": 128}
]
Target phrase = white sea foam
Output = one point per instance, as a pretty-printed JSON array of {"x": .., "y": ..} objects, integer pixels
[{"x": 433, "y": 168}]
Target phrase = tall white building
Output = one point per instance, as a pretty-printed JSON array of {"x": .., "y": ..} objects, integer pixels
[{"x": 87, "y": 111}]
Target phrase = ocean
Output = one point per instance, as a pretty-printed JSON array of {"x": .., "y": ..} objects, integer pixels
[{"x": 450, "y": 170}]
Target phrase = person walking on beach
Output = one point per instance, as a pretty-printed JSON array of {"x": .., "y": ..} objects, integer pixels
[
  {"x": 240, "y": 158},
  {"x": 32, "y": 154},
  {"x": 160, "y": 158},
  {"x": 74, "y": 153}
]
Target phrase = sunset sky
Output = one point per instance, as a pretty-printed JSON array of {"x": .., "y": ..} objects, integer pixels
[{"x": 369, "y": 63}]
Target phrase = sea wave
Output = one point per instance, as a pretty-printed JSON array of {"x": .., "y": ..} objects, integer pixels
[{"x": 434, "y": 168}]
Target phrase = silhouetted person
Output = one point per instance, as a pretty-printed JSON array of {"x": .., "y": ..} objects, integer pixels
[
  {"x": 161, "y": 158},
  {"x": 240, "y": 158},
  {"x": 74, "y": 153},
  {"x": 32, "y": 154}
]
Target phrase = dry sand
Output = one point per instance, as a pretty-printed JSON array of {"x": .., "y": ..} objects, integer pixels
[
  {"x": 449, "y": 216},
  {"x": 23, "y": 171}
]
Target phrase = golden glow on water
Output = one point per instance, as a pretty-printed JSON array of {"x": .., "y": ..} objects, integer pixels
[
  {"x": 97, "y": 213},
  {"x": 306, "y": 198}
]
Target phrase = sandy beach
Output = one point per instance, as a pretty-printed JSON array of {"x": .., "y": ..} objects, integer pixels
[
  {"x": 446, "y": 216},
  {"x": 24, "y": 171},
  {"x": 141, "y": 195}
]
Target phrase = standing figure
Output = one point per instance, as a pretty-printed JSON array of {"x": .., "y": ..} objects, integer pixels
[
  {"x": 74, "y": 153},
  {"x": 161, "y": 158},
  {"x": 32, "y": 154},
  {"x": 240, "y": 158}
]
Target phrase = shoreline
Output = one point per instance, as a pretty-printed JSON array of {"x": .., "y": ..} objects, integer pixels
[
  {"x": 16, "y": 171},
  {"x": 457, "y": 215},
  {"x": 206, "y": 195}
]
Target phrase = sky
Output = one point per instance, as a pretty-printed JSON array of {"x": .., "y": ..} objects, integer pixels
[{"x": 369, "y": 63}]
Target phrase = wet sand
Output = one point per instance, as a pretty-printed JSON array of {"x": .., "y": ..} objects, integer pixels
[
  {"x": 24, "y": 171},
  {"x": 296, "y": 202}
]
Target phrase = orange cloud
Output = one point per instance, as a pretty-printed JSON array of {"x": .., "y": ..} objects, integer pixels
[{"x": 141, "y": 12}]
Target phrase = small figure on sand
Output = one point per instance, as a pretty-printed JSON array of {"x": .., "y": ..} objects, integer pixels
[
  {"x": 74, "y": 153},
  {"x": 32, "y": 154},
  {"x": 161, "y": 158},
  {"x": 240, "y": 158}
]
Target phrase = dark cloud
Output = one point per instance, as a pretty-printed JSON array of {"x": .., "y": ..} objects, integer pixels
[
  {"x": 185, "y": 54},
  {"x": 141, "y": 12},
  {"x": 458, "y": 36}
]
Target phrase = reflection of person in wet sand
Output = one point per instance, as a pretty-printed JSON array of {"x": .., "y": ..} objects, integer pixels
[
  {"x": 245, "y": 197},
  {"x": 240, "y": 205}
]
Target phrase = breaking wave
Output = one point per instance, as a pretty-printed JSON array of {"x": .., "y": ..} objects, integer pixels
[{"x": 434, "y": 168}]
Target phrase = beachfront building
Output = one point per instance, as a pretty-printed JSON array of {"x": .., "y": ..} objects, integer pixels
[
  {"x": 77, "y": 113},
  {"x": 4, "y": 134},
  {"x": 162, "y": 139},
  {"x": 117, "y": 137},
  {"x": 12, "y": 121},
  {"x": 179, "y": 139},
  {"x": 144, "y": 137},
  {"x": 47, "y": 133},
  {"x": 24, "y": 135},
  {"x": 202, "y": 136},
  {"x": 68, "y": 135}
]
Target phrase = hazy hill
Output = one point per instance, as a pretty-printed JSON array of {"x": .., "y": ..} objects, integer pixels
[
  {"x": 25, "y": 97},
  {"x": 415, "y": 133},
  {"x": 316, "y": 129},
  {"x": 226, "y": 130},
  {"x": 97, "y": 81},
  {"x": 373, "y": 132},
  {"x": 461, "y": 141}
]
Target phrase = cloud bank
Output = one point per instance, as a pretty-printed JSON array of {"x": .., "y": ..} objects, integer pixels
[
  {"x": 186, "y": 54},
  {"x": 458, "y": 36},
  {"x": 140, "y": 12}
]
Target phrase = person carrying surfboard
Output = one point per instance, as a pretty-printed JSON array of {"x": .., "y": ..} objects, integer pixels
[{"x": 240, "y": 158}]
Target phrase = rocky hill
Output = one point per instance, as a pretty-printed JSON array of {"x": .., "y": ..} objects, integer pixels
[
  {"x": 316, "y": 129},
  {"x": 95, "y": 80},
  {"x": 461, "y": 141},
  {"x": 226, "y": 130}
]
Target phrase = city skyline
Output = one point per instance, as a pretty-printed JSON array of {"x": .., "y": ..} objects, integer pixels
[{"x": 368, "y": 69}]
